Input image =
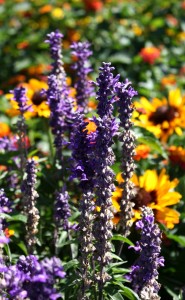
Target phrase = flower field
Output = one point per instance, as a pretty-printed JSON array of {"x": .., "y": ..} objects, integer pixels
[{"x": 92, "y": 150}]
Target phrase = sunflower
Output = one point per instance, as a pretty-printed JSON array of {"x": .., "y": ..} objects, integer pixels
[
  {"x": 155, "y": 191},
  {"x": 162, "y": 117},
  {"x": 35, "y": 99}
]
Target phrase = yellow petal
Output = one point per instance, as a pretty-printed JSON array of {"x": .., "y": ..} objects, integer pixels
[
  {"x": 175, "y": 98},
  {"x": 149, "y": 180}
]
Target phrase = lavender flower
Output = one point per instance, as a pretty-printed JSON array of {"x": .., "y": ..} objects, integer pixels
[
  {"x": 29, "y": 200},
  {"x": 125, "y": 94},
  {"x": 144, "y": 272},
  {"x": 55, "y": 42},
  {"x": 83, "y": 169},
  {"x": 81, "y": 66},
  {"x": 103, "y": 159},
  {"x": 31, "y": 279},
  {"x": 21, "y": 99},
  {"x": 62, "y": 210},
  {"x": 60, "y": 103},
  {"x": 106, "y": 84}
]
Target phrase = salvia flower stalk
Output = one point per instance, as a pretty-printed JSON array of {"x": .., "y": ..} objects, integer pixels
[
  {"x": 59, "y": 100},
  {"x": 144, "y": 272},
  {"x": 19, "y": 95},
  {"x": 29, "y": 202},
  {"x": 84, "y": 90},
  {"x": 104, "y": 176},
  {"x": 82, "y": 168},
  {"x": 125, "y": 94}
]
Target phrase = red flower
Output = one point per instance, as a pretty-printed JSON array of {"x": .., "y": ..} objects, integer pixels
[
  {"x": 95, "y": 5},
  {"x": 150, "y": 54}
]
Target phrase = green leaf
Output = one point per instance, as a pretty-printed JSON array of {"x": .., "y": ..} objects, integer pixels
[
  {"x": 119, "y": 237},
  {"x": 70, "y": 264},
  {"x": 18, "y": 217},
  {"x": 115, "y": 256},
  {"x": 116, "y": 296},
  {"x": 22, "y": 246},
  {"x": 180, "y": 239},
  {"x": 130, "y": 294}
]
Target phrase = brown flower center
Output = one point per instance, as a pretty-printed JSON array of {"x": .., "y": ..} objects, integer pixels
[
  {"x": 38, "y": 98},
  {"x": 143, "y": 197},
  {"x": 163, "y": 113}
]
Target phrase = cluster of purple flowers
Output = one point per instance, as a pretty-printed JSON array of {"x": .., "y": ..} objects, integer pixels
[
  {"x": 144, "y": 272},
  {"x": 31, "y": 279}
]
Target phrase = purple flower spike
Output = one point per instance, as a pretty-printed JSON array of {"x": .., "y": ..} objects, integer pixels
[
  {"x": 106, "y": 84},
  {"x": 29, "y": 201},
  {"x": 125, "y": 94},
  {"x": 55, "y": 42},
  {"x": 83, "y": 88},
  {"x": 19, "y": 95},
  {"x": 144, "y": 272},
  {"x": 62, "y": 210}
]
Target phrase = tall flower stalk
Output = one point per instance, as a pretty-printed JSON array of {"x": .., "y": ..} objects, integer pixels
[
  {"x": 125, "y": 94},
  {"x": 81, "y": 53},
  {"x": 103, "y": 159},
  {"x": 29, "y": 202},
  {"x": 144, "y": 272},
  {"x": 19, "y": 95},
  {"x": 59, "y": 100},
  {"x": 82, "y": 168}
]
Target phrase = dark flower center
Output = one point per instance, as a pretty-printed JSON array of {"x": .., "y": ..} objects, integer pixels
[
  {"x": 38, "y": 98},
  {"x": 163, "y": 113},
  {"x": 143, "y": 197}
]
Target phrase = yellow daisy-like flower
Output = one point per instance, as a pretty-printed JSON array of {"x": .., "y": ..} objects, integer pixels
[
  {"x": 162, "y": 117},
  {"x": 35, "y": 99},
  {"x": 155, "y": 191}
]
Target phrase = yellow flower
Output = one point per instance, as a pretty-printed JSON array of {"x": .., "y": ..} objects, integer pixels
[
  {"x": 162, "y": 117},
  {"x": 38, "y": 102},
  {"x": 57, "y": 13},
  {"x": 155, "y": 191}
]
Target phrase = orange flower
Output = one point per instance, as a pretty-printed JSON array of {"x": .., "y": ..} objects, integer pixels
[
  {"x": 142, "y": 152},
  {"x": 4, "y": 130},
  {"x": 8, "y": 232},
  {"x": 177, "y": 156},
  {"x": 45, "y": 9},
  {"x": 23, "y": 45},
  {"x": 168, "y": 80},
  {"x": 150, "y": 54}
]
